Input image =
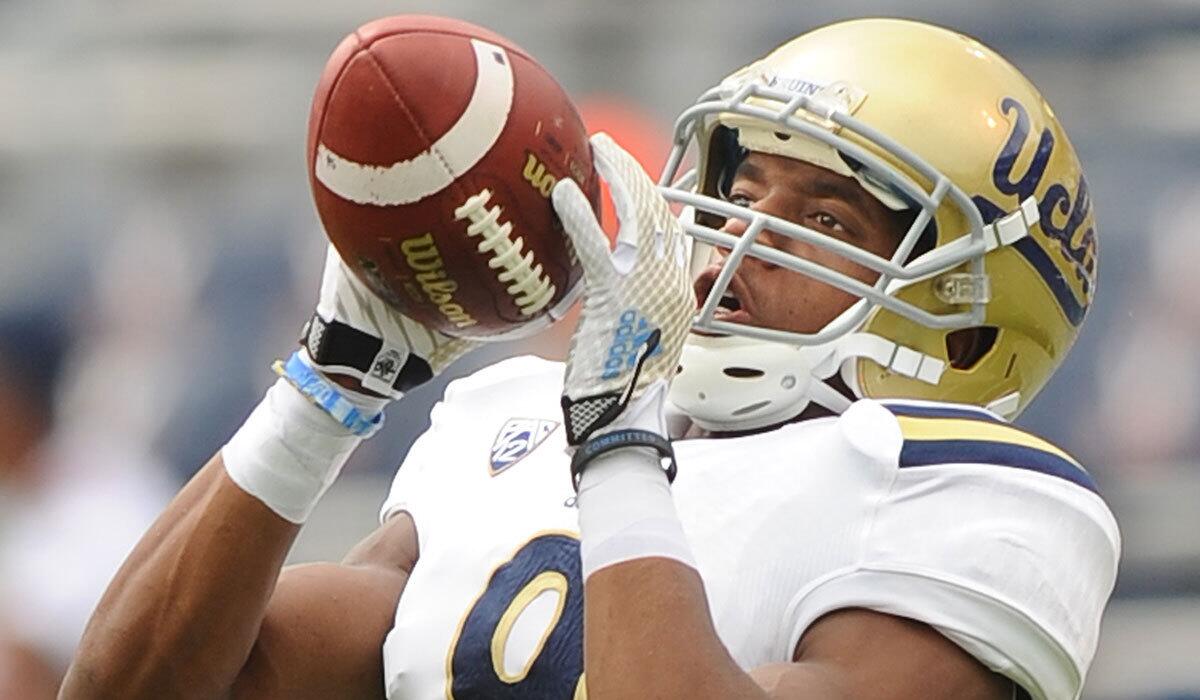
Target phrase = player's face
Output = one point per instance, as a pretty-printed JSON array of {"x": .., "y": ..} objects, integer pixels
[{"x": 767, "y": 295}]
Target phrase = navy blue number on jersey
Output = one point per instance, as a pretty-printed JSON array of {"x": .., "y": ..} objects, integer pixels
[{"x": 548, "y": 562}]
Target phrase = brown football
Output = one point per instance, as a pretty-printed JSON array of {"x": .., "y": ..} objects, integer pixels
[{"x": 432, "y": 148}]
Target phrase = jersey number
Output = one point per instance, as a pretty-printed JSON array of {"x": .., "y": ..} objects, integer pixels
[{"x": 547, "y": 567}]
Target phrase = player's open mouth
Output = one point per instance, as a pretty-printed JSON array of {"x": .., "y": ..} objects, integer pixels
[
  {"x": 729, "y": 308},
  {"x": 734, "y": 306}
]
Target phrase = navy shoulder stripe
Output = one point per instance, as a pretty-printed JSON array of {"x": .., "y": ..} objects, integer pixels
[
  {"x": 923, "y": 453},
  {"x": 955, "y": 435}
]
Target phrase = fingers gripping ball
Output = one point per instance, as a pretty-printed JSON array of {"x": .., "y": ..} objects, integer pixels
[
  {"x": 638, "y": 297},
  {"x": 433, "y": 147}
]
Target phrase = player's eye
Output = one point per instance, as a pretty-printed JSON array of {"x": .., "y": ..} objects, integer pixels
[
  {"x": 827, "y": 221},
  {"x": 738, "y": 199}
]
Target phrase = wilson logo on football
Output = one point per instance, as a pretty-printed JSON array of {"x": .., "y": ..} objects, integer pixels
[
  {"x": 535, "y": 174},
  {"x": 422, "y": 257}
]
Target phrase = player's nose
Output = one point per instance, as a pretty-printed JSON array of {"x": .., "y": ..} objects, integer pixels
[{"x": 737, "y": 227}]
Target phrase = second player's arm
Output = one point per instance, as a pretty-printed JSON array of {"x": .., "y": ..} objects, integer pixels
[{"x": 199, "y": 608}]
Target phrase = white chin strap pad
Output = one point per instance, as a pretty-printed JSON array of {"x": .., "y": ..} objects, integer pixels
[{"x": 737, "y": 383}]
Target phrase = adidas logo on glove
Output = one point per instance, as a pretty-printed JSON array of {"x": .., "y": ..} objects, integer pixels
[{"x": 632, "y": 332}]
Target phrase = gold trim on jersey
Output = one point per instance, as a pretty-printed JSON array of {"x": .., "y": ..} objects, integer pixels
[
  {"x": 966, "y": 429},
  {"x": 941, "y": 435},
  {"x": 545, "y": 581}
]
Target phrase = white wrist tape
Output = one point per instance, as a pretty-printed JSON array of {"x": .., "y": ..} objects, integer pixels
[
  {"x": 288, "y": 452},
  {"x": 626, "y": 512}
]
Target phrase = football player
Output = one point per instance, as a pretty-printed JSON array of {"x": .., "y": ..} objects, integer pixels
[{"x": 892, "y": 248}]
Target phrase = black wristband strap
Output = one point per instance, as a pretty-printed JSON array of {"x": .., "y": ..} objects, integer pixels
[
  {"x": 335, "y": 344},
  {"x": 617, "y": 439},
  {"x": 587, "y": 414}
]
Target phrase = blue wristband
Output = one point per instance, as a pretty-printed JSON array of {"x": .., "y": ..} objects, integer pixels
[{"x": 326, "y": 396}]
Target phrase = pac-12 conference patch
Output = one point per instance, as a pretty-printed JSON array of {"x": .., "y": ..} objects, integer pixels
[{"x": 518, "y": 438}]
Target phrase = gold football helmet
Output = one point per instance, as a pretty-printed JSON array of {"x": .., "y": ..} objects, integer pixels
[{"x": 931, "y": 122}]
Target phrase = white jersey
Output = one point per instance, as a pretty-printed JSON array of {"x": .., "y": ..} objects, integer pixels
[{"x": 939, "y": 513}]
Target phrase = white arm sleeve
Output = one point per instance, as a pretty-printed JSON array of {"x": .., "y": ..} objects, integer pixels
[{"x": 1013, "y": 566}]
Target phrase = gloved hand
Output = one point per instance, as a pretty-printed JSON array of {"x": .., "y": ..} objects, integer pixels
[
  {"x": 287, "y": 454},
  {"x": 638, "y": 302},
  {"x": 354, "y": 333}
]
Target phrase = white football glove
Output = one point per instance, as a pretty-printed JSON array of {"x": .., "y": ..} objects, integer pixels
[
  {"x": 355, "y": 333},
  {"x": 638, "y": 301}
]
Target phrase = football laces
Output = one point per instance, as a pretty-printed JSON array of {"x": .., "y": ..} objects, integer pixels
[{"x": 530, "y": 286}]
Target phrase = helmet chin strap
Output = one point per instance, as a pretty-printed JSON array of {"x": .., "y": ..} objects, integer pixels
[
  {"x": 732, "y": 383},
  {"x": 737, "y": 383}
]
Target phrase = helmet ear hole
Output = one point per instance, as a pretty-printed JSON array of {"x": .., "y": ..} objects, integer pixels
[
  {"x": 965, "y": 347},
  {"x": 743, "y": 372}
]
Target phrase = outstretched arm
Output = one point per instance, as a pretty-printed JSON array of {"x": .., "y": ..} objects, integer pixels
[
  {"x": 184, "y": 610},
  {"x": 199, "y": 608}
]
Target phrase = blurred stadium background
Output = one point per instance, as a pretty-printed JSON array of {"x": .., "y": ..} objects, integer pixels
[{"x": 158, "y": 248}]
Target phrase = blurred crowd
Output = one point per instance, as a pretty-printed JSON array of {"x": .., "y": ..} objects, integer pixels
[{"x": 78, "y": 482}]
